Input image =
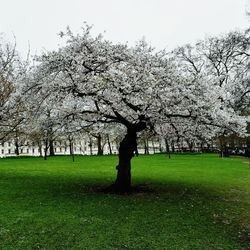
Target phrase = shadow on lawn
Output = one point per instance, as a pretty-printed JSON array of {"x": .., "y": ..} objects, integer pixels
[
  {"x": 62, "y": 185},
  {"x": 193, "y": 198},
  {"x": 74, "y": 187}
]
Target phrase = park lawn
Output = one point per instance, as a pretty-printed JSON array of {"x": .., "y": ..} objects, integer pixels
[{"x": 197, "y": 201}]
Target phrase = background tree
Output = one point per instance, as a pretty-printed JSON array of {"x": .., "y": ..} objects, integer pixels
[{"x": 224, "y": 62}]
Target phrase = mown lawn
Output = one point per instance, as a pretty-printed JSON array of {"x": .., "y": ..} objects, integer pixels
[{"x": 187, "y": 202}]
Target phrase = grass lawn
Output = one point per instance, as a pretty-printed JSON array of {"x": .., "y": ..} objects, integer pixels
[{"x": 189, "y": 202}]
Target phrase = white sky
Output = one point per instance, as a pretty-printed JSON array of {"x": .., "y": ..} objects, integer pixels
[{"x": 164, "y": 23}]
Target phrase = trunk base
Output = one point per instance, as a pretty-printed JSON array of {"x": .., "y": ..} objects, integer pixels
[
  {"x": 114, "y": 188},
  {"x": 132, "y": 190}
]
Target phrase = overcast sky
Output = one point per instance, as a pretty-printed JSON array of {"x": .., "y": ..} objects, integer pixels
[{"x": 164, "y": 23}]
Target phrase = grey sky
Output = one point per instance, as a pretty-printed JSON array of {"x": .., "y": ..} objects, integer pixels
[{"x": 164, "y": 23}]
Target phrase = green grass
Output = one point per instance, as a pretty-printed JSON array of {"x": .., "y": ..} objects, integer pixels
[{"x": 189, "y": 202}]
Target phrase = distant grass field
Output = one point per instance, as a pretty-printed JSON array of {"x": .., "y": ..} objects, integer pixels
[{"x": 189, "y": 202}]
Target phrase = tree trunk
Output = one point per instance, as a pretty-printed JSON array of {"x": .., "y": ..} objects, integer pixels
[
  {"x": 46, "y": 142},
  {"x": 40, "y": 149},
  {"x": 99, "y": 145},
  {"x": 247, "y": 152},
  {"x": 167, "y": 147},
  {"x": 146, "y": 151},
  {"x": 153, "y": 145},
  {"x": 16, "y": 147},
  {"x": 109, "y": 145},
  {"x": 71, "y": 149},
  {"x": 126, "y": 151},
  {"x": 224, "y": 149},
  {"x": 51, "y": 148},
  {"x": 90, "y": 146},
  {"x": 190, "y": 146},
  {"x": 173, "y": 147},
  {"x": 160, "y": 147}
]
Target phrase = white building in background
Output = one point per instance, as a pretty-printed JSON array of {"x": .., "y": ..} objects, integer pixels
[
  {"x": 8, "y": 148},
  {"x": 61, "y": 147}
]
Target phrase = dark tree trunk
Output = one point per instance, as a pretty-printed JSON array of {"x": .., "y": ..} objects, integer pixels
[
  {"x": 127, "y": 149},
  {"x": 247, "y": 152},
  {"x": 223, "y": 147},
  {"x": 90, "y": 146},
  {"x": 232, "y": 143},
  {"x": 146, "y": 151},
  {"x": 167, "y": 147},
  {"x": 51, "y": 148},
  {"x": 71, "y": 149},
  {"x": 109, "y": 145},
  {"x": 190, "y": 146},
  {"x": 40, "y": 149},
  {"x": 45, "y": 154},
  {"x": 16, "y": 147},
  {"x": 173, "y": 147},
  {"x": 160, "y": 146},
  {"x": 226, "y": 152},
  {"x": 99, "y": 145},
  {"x": 153, "y": 145},
  {"x": 46, "y": 149}
]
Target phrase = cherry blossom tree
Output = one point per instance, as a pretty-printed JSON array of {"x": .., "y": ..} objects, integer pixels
[{"x": 135, "y": 87}]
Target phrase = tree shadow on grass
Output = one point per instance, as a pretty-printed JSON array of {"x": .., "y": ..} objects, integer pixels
[
  {"x": 87, "y": 185},
  {"x": 180, "y": 198}
]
